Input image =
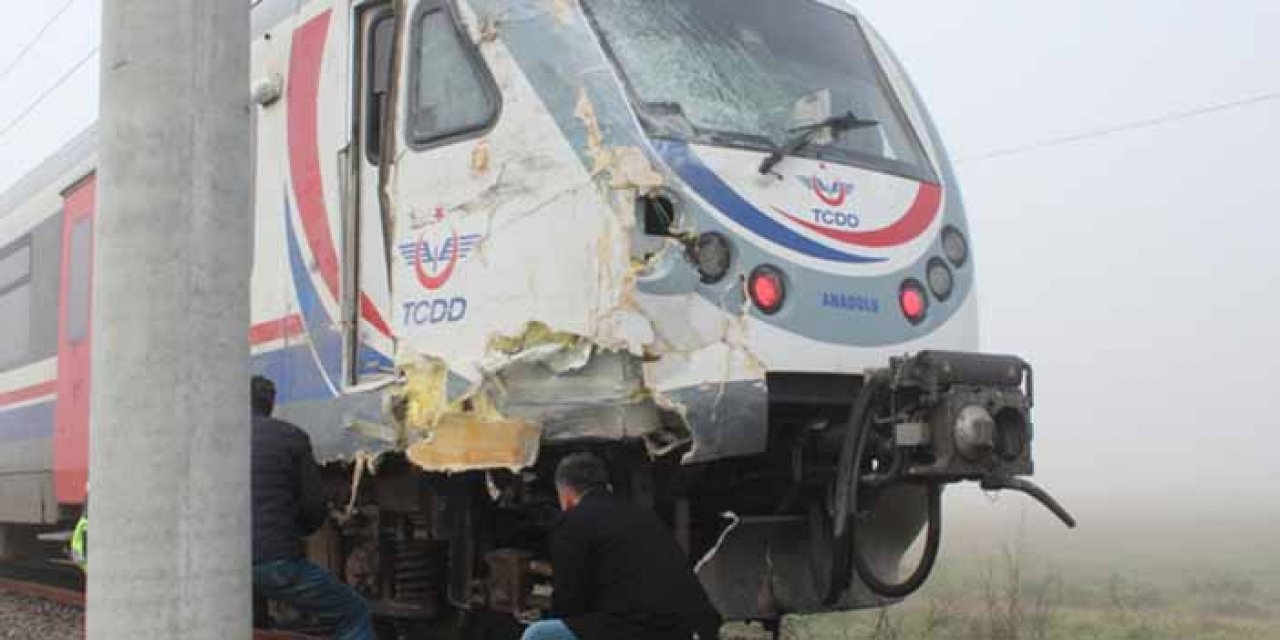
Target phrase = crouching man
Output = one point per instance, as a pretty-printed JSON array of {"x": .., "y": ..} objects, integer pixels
[
  {"x": 619, "y": 574},
  {"x": 289, "y": 503}
]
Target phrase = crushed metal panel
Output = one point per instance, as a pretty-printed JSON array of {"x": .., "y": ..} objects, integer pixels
[
  {"x": 604, "y": 398},
  {"x": 730, "y": 421},
  {"x": 465, "y": 442},
  {"x": 720, "y": 392},
  {"x": 538, "y": 385},
  {"x": 448, "y": 432},
  {"x": 515, "y": 268}
]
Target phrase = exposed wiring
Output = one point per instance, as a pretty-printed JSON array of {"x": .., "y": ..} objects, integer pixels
[{"x": 734, "y": 520}]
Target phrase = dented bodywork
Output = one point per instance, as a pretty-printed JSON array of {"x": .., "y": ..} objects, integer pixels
[
  {"x": 536, "y": 231},
  {"x": 718, "y": 243},
  {"x": 559, "y": 336}
]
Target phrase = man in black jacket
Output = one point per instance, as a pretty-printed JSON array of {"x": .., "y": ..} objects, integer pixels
[
  {"x": 289, "y": 503},
  {"x": 618, "y": 572}
]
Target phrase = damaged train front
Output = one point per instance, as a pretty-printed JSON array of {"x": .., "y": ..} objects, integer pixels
[
  {"x": 719, "y": 243},
  {"x": 818, "y": 329}
]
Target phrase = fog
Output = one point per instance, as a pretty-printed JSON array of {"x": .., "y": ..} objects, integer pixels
[{"x": 1133, "y": 269}]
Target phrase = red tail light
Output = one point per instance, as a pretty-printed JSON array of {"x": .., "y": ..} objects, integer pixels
[
  {"x": 768, "y": 289},
  {"x": 912, "y": 300}
]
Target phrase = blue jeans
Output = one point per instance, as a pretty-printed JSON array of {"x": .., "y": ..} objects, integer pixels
[
  {"x": 548, "y": 630},
  {"x": 312, "y": 590}
]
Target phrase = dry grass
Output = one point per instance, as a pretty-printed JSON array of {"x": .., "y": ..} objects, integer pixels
[{"x": 1108, "y": 592}]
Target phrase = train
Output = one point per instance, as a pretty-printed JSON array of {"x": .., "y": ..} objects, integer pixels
[{"x": 717, "y": 242}]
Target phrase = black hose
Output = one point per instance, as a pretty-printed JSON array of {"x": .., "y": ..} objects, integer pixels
[
  {"x": 849, "y": 468},
  {"x": 848, "y": 476},
  {"x": 917, "y": 578},
  {"x": 846, "y": 557}
]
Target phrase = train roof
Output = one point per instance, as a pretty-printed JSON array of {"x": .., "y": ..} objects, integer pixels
[
  {"x": 49, "y": 170},
  {"x": 265, "y": 15}
]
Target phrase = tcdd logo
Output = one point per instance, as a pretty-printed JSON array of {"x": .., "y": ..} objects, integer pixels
[
  {"x": 432, "y": 312},
  {"x": 830, "y": 218},
  {"x": 831, "y": 193},
  {"x": 443, "y": 257}
]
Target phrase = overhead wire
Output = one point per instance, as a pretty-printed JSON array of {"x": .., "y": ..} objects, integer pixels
[
  {"x": 1103, "y": 132},
  {"x": 16, "y": 120},
  {"x": 22, "y": 53}
]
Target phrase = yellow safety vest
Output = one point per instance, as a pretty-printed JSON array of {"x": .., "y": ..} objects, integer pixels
[{"x": 80, "y": 543}]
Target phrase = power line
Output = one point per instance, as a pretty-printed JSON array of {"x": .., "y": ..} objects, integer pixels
[
  {"x": 1119, "y": 128},
  {"x": 46, "y": 93},
  {"x": 22, "y": 53}
]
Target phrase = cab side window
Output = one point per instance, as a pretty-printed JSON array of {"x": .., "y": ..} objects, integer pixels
[
  {"x": 15, "y": 302},
  {"x": 79, "y": 272},
  {"x": 382, "y": 35},
  {"x": 452, "y": 95}
]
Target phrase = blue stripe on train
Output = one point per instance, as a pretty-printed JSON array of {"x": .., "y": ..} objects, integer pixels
[
  {"x": 27, "y": 423},
  {"x": 321, "y": 332},
  {"x": 703, "y": 180},
  {"x": 293, "y": 369}
]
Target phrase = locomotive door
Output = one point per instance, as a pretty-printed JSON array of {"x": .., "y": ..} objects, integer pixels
[
  {"x": 368, "y": 284},
  {"x": 447, "y": 101},
  {"x": 71, "y": 417}
]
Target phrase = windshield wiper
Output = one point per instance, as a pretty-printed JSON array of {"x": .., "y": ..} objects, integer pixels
[{"x": 804, "y": 135}]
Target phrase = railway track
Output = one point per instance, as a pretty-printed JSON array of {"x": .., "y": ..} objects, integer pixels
[{"x": 64, "y": 585}]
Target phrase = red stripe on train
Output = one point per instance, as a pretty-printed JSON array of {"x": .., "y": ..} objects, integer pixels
[
  {"x": 304, "y": 151},
  {"x": 269, "y": 331},
  {"x": 303, "y": 100},
  {"x": 923, "y": 211},
  {"x": 278, "y": 329},
  {"x": 28, "y": 393}
]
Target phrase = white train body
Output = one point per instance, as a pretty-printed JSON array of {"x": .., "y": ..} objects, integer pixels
[
  {"x": 519, "y": 221},
  {"x": 490, "y": 231}
]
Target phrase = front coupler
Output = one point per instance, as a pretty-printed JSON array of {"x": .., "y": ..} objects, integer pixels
[{"x": 931, "y": 419}]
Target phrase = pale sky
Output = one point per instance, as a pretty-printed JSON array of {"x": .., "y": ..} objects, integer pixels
[{"x": 1134, "y": 270}]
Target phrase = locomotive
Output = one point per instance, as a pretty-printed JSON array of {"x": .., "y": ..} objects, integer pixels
[{"x": 717, "y": 242}]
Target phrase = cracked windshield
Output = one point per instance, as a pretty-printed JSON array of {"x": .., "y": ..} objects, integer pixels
[{"x": 735, "y": 72}]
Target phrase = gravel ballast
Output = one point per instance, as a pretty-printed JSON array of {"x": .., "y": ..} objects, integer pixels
[{"x": 26, "y": 618}]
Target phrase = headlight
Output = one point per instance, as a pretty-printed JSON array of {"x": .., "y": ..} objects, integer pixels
[
  {"x": 941, "y": 282},
  {"x": 712, "y": 255},
  {"x": 955, "y": 246}
]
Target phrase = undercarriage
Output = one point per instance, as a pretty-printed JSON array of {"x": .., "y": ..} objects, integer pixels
[{"x": 852, "y": 474}]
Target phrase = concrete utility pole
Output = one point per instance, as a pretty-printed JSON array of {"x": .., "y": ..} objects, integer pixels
[{"x": 169, "y": 472}]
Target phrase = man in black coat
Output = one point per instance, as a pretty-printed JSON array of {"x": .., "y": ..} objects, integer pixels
[
  {"x": 618, "y": 572},
  {"x": 289, "y": 503}
]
